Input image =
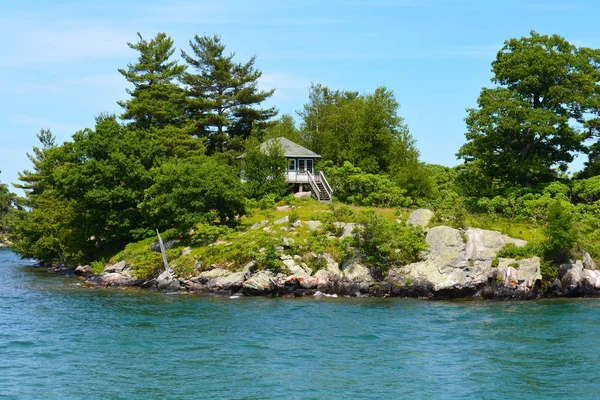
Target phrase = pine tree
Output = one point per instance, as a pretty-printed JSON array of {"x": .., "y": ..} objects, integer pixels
[
  {"x": 157, "y": 100},
  {"x": 223, "y": 94}
]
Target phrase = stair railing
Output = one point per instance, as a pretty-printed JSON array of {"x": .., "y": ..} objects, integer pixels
[
  {"x": 328, "y": 188},
  {"x": 313, "y": 184}
]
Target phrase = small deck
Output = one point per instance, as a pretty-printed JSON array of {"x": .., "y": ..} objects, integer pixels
[{"x": 317, "y": 181}]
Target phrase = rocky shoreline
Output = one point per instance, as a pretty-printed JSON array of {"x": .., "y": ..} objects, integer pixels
[{"x": 459, "y": 264}]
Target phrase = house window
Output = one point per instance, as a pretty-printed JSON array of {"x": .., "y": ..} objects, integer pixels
[
  {"x": 301, "y": 166},
  {"x": 309, "y": 166},
  {"x": 292, "y": 165}
]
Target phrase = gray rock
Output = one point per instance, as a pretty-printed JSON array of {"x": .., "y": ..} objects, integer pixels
[
  {"x": 588, "y": 262},
  {"x": 232, "y": 281},
  {"x": 288, "y": 242},
  {"x": 167, "y": 282},
  {"x": 573, "y": 279},
  {"x": 119, "y": 267},
  {"x": 261, "y": 284},
  {"x": 313, "y": 225},
  {"x": 353, "y": 270},
  {"x": 333, "y": 267},
  {"x": 420, "y": 217},
  {"x": 282, "y": 208},
  {"x": 445, "y": 265},
  {"x": 214, "y": 273},
  {"x": 348, "y": 229},
  {"x": 249, "y": 268},
  {"x": 294, "y": 268},
  {"x": 114, "y": 279},
  {"x": 259, "y": 224},
  {"x": 168, "y": 244},
  {"x": 82, "y": 270},
  {"x": 186, "y": 251},
  {"x": 282, "y": 220},
  {"x": 302, "y": 194},
  {"x": 578, "y": 281},
  {"x": 523, "y": 277},
  {"x": 482, "y": 247}
]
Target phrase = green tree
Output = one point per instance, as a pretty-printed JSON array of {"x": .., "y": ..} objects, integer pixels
[
  {"x": 285, "y": 127},
  {"x": 223, "y": 94},
  {"x": 156, "y": 100},
  {"x": 8, "y": 202},
  {"x": 264, "y": 168},
  {"x": 533, "y": 121},
  {"x": 186, "y": 192},
  {"x": 560, "y": 234},
  {"x": 364, "y": 130},
  {"x": 44, "y": 160}
]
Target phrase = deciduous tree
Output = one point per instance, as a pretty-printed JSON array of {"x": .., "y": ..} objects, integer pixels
[{"x": 534, "y": 122}]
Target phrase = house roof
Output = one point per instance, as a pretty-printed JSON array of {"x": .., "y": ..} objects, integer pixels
[{"x": 290, "y": 148}]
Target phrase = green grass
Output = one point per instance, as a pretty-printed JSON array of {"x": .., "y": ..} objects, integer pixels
[
  {"x": 236, "y": 247},
  {"x": 516, "y": 229}
]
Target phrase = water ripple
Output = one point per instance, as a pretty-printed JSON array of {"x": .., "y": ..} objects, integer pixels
[{"x": 60, "y": 341}]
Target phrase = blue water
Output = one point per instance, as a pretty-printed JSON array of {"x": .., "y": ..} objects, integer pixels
[{"x": 61, "y": 341}]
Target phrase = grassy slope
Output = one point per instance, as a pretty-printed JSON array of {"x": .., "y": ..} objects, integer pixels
[{"x": 236, "y": 247}]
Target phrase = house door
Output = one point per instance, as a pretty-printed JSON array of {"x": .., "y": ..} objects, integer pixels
[{"x": 305, "y": 165}]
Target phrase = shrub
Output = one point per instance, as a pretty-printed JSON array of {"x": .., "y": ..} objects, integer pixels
[
  {"x": 384, "y": 243},
  {"x": 529, "y": 250},
  {"x": 560, "y": 235},
  {"x": 293, "y": 218},
  {"x": 270, "y": 258}
]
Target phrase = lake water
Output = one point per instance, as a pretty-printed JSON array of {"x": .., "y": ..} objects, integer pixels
[{"x": 60, "y": 341}]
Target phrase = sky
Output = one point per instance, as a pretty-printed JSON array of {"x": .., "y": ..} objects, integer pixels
[{"x": 59, "y": 59}]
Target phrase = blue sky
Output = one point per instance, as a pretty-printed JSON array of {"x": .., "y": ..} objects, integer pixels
[{"x": 59, "y": 59}]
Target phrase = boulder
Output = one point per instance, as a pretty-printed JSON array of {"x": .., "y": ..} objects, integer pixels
[
  {"x": 118, "y": 267},
  {"x": 82, "y": 270},
  {"x": 249, "y": 268},
  {"x": 261, "y": 284},
  {"x": 294, "y": 267},
  {"x": 524, "y": 276},
  {"x": 282, "y": 220},
  {"x": 167, "y": 282},
  {"x": 259, "y": 224},
  {"x": 232, "y": 282},
  {"x": 588, "y": 262},
  {"x": 186, "y": 251},
  {"x": 420, "y": 217},
  {"x": 302, "y": 194},
  {"x": 213, "y": 274},
  {"x": 445, "y": 265},
  {"x": 168, "y": 244},
  {"x": 113, "y": 279},
  {"x": 287, "y": 242},
  {"x": 313, "y": 225},
  {"x": 282, "y": 208},
  {"x": 578, "y": 281},
  {"x": 332, "y": 266},
  {"x": 353, "y": 270},
  {"x": 348, "y": 229},
  {"x": 482, "y": 248}
]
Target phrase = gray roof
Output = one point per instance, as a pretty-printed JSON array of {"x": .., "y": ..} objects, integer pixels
[{"x": 290, "y": 148}]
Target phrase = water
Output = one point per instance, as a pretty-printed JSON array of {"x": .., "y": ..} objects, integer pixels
[{"x": 60, "y": 341}]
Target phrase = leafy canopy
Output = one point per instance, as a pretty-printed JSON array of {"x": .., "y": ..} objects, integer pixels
[{"x": 534, "y": 121}]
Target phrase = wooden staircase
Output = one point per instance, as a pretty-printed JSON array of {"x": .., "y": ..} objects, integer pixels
[
  {"x": 320, "y": 187},
  {"x": 322, "y": 194}
]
